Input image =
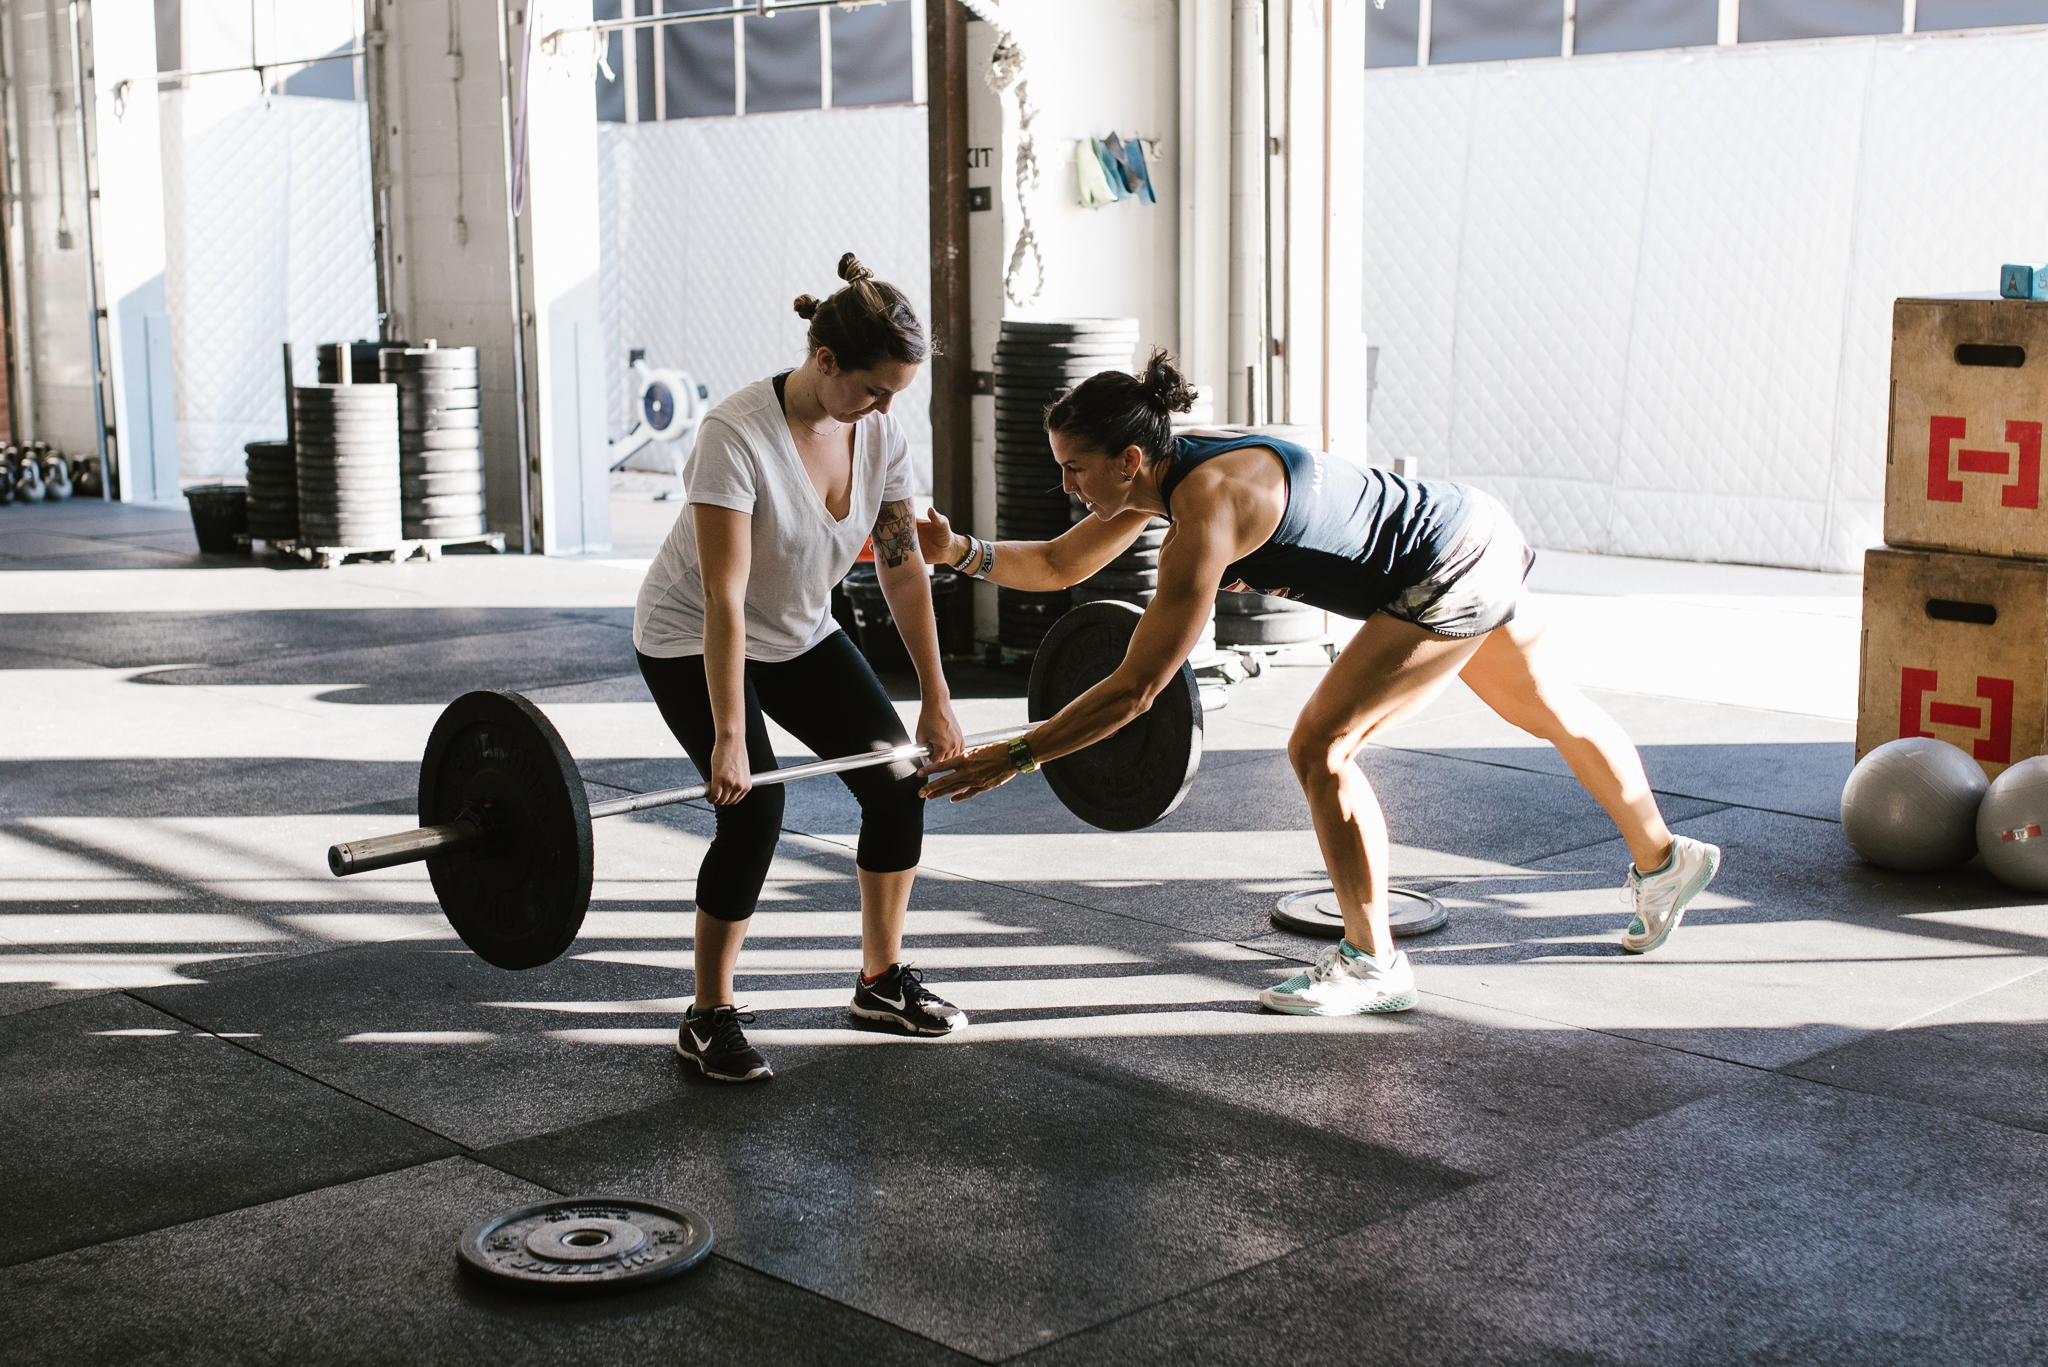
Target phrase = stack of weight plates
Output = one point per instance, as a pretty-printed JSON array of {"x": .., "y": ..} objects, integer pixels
[
  {"x": 273, "y": 492},
  {"x": 1132, "y": 577},
  {"x": 347, "y": 437},
  {"x": 1260, "y": 619},
  {"x": 1035, "y": 362},
  {"x": 440, "y": 440}
]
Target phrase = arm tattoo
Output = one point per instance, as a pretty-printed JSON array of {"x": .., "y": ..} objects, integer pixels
[{"x": 895, "y": 533}]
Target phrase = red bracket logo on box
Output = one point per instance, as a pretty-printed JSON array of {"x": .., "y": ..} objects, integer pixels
[
  {"x": 1995, "y": 746},
  {"x": 1944, "y": 487}
]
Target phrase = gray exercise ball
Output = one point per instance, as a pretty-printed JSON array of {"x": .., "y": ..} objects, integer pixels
[
  {"x": 1912, "y": 804},
  {"x": 2011, "y": 822}
]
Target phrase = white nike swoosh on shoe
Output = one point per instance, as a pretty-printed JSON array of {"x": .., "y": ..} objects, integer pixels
[
  {"x": 898, "y": 1002},
  {"x": 699, "y": 1041}
]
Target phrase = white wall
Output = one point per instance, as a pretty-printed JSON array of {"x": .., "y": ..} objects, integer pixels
[
  {"x": 712, "y": 227},
  {"x": 1646, "y": 298}
]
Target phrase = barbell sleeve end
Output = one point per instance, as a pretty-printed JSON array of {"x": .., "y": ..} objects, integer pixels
[{"x": 403, "y": 847}]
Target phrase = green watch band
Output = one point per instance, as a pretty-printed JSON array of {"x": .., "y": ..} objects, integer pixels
[{"x": 1020, "y": 755}]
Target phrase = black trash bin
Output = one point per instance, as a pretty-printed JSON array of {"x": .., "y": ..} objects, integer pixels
[
  {"x": 876, "y": 632},
  {"x": 220, "y": 517}
]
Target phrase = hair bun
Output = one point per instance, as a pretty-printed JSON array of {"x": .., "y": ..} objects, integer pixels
[
  {"x": 1165, "y": 388},
  {"x": 852, "y": 272},
  {"x": 807, "y": 306}
]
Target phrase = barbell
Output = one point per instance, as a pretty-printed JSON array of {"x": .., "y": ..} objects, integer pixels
[{"x": 505, "y": 823}]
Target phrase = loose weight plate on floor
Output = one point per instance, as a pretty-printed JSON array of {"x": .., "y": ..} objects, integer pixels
[
  {"x": 1316, "y": 913},
  {"x": 519, "y": 898},
  {"x": 1135, "y": 777},
  {"x": 583, "y": 1245}
]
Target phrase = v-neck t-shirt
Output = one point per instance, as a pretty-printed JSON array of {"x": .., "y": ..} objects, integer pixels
[{"x": 745, "y": 459}]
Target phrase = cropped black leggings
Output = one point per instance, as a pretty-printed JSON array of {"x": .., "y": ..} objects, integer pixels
[{"x": 829, "y": 699}]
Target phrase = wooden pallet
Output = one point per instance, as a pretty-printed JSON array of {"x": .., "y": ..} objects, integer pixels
[{"x": 327, "y": 557}]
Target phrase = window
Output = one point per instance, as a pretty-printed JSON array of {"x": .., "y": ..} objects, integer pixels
[
  {"x": 1767, "y": 21},
  {"x": 755, "y": 63},
  {"x": 1645, "y": 25},
  {"x": 1937, "y": 15},
  {"x": 1390, "y": 32},
  {"x": 1495, "y": 30}
]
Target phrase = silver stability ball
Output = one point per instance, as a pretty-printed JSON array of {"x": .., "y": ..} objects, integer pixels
[
  {"x": 1912, "y": 804},
  {"x": 2011, "y": 822}
]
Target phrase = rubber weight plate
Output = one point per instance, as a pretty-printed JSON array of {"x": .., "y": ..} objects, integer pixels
[
  {"x": 434, "y": 419},
  {"x": 1131, "y": 779},
  {"x": 459, "y": 439},
  {"x": 446, "y": 528},
  {"x": 447, "y": 482},
  {"x": 587, "y": 1244},
  {"x": 1316, "y": 913},
  {"x": 518, "y": 900}
]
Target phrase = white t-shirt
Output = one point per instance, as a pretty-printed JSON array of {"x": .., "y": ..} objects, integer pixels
[{"x": 746, "y": 460}]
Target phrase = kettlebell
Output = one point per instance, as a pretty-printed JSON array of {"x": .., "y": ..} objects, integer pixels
[
  {"x": 28, "y": 481},
  {"x": 85, "y": 477},
  {"x": 56, "y": 477},
  {"x": 6, "y": 483}
]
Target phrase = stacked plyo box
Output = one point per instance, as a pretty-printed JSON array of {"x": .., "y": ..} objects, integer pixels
[{"x": 1955, "y": 604}]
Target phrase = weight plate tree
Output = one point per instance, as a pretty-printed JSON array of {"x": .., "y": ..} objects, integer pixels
[
  {"x": 1035, "y": 362},
  {"x": 440, "y": 441},
  {"x": 346, "y": 454},
  {"x": 1316, "y": 913},
  {"x": 586, "y": 1245},
  {"x": 1135, "y": 777}
]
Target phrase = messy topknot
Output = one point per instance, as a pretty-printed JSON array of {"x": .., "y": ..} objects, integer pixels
[
  {"x": 1111, "y": 410},
  {"x": 867, "y": 322}
]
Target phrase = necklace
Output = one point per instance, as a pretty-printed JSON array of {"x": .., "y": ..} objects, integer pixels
[{"x": 831, "y": 424}]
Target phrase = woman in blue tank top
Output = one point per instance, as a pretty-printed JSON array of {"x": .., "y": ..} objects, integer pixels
[{"x": 1433, "y": 569}]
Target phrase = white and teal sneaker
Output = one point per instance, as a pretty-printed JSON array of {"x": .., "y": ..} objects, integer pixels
[
  {"x": 1659, "y": 899},
  {"x": 1345, "y": 982}
]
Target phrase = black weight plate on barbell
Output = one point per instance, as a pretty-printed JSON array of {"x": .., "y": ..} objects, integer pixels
[
  {"x": 1137, "y": 598},
  {"x": 1317, "y": 913},
  {"x": 1133, "y": 778},
  {"x": 585, "y": 1245},
  {"x": 519, "y": 899}
]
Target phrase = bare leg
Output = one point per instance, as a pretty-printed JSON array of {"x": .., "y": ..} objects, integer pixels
[
  {"x": 884, "y": 901},
  {"x": 718, "y": 953},
  {"x": 1389, "y": 669},
  {"x": 1511, "y": 675}
]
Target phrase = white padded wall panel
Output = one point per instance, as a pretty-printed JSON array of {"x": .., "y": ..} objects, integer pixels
[
  {"x": 1737, "y": 222},
  {"x": 1417, "y": 130},
  {"x": 713, "y": 226},
  {"x": 1540, "y": 425},
  {"x": 1737, "y": 336},
  {"x": 1939, "y": 208},
  {"x": 268, "y": 238}
]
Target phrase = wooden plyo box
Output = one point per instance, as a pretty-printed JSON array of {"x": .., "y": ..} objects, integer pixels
[
  {"x": 1955, "y": 647},
  {"x": 1968, "y": 399}
]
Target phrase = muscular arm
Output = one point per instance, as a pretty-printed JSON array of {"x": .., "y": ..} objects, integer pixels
[{"x": 1039, "y": 566}]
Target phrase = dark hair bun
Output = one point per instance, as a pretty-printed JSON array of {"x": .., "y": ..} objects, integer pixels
[
  {"x": 807, "y": 306},
  {"x": 1165, "y": 388},
  {"x": 851, "y": 271}
]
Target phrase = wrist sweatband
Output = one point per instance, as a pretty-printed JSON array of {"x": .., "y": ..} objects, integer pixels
[
  {"x": 988, "y": 559},
  {"x": 1020, "y": 755},
  {"x": 968, "y": 556}
]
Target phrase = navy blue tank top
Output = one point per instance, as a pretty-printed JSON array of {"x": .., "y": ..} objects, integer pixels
[{"x": 1352, "y": 537}]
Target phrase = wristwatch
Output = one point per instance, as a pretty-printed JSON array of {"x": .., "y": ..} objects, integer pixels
[{"x": 1020, "y": 755}]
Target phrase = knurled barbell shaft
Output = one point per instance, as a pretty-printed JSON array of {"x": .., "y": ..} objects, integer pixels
[{"x": 408, "y": 847}]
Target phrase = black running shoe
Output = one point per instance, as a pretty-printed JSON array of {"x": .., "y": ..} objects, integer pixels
[
  {"x": 900, "y": 997},
  {"x": 714, "y": 1041}
]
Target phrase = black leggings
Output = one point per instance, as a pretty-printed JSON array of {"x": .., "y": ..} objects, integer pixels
[{"x": 829, "y": 699}]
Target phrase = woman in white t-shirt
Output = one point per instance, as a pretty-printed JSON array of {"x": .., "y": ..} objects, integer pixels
[{"x": 789, "y": 478}]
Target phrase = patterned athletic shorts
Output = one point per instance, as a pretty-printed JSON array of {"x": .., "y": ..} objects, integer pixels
[{"x": 1475, "y": 587}]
